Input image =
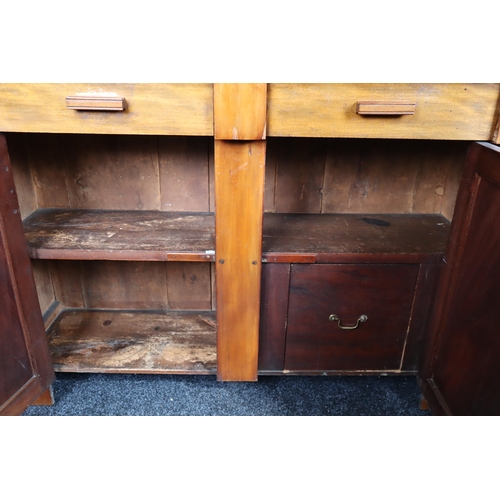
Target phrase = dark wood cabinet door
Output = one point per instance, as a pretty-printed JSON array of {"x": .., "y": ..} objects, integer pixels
[
  {"x": 25, "y": 366},
  {"x": 461, "y": 375},
  {"x": 349, "y": 316}
]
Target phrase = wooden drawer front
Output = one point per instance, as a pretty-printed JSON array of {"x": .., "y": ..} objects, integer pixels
[
  {"x": 169, "y": 109},
  {"x": 442, "y": 111},
  {"x": 384, "y": 293}
]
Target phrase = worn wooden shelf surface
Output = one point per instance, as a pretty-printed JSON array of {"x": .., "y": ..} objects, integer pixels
[
  {"x": 345, "y": 237},
  {"x": 120, "y": 235},
  {"x": 112, "y": 341}
]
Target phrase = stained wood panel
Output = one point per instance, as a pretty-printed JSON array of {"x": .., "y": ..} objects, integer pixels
[
  {"x": 21, "y": 171},
  {"x": 113, "y": 172},
  {"x": 189, "y": 285},
  {"x": 443, "y": 111},
  {"x": 134, "y": 342},
  {"x": 383, "y": 175},
  {"x": 120, "y": 235},
  {"x": 240, "y": 111},
  {"x": 43, "y": 282},
  {"x": 363, "y": 176},
  {"x": 239, "y": 188},
  {"x": 67, "y": 281},
  {"x": 125, "y": 285},
  {"x": 300, "y": 175},
  {"x": 273, "y": 318},
  {"x": 153, "y": 109},
  {"x": 384, "y": 293},
  {"x": 184, "y": 174}
]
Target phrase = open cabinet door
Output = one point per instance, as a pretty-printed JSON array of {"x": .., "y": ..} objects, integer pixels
[
  {"x": 25, "y": 366},
  {"x": 461, "y": 373}
]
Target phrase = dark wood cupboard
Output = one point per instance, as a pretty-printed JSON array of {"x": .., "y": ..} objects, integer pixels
[{"x": 255, "y": 230}]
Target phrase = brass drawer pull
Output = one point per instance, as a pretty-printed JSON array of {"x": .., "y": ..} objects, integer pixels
[
  {"x": 385, "y": 108},
  {"x": 361, "y": 319},
  {"x": 96, "y": 103}
]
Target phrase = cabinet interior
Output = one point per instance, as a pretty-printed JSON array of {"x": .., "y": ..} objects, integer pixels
[{"x": 143, "y": 299}]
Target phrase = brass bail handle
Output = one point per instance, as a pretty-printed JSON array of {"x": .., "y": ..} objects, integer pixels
[{"x": 361, "y": 319}]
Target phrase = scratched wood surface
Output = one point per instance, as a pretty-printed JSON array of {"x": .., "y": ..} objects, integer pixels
[
  {"x": 239, "y": 189},
  {"x": 443, "y": 111},
  {"x": 325, "y": 235},
  {"x": 159, "y": 109},
  {"x": 120, "y": 235},
  {"x": 134, "y": 342}
]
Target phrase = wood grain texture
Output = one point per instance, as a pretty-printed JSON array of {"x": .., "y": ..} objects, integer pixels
[
  {"x": 134, "y": 342},
  {"x": 153, "y": 109},
  {"x": 382, "y": 292},
  {"x": 67, "y": 282},
  {"x": 240, "y": 111},
  {"x": 22, "y": 172},
  {"x": 239, "y": 191},
  {"x": 112, "y": 172},
  {"x": 43, "y": 282},
  {"x": 363, "y": 176},
  {"x": 300, "y": 172},
  {"x": 124, "y": 285},
  {"x": 120, "y": 235},
  {"x": 371, "y": 176},
  {"x": 443, "y": 111},
  {"x": 184, "y": 174},
  {"x": 25, "y": 366}
]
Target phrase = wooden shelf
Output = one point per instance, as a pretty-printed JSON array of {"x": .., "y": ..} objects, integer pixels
[
  {"x": 120, "y": 235},
  {"x": 82, "y": 340},
  {"x": 330, "y": 238}
]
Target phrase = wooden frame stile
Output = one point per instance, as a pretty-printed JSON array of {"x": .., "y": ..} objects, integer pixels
[{"x": 240, "y": 150}]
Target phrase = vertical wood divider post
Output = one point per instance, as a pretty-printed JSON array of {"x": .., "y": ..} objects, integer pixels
[{"x": 240, "y": 151}]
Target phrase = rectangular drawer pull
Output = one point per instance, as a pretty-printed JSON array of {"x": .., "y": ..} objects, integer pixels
[
  {"x": 385, "y": 108},
  {"x": 96, "y": 103}
]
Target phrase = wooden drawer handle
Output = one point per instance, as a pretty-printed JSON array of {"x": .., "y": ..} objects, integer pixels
[
  {"x": 386, "y": 108},
  {"x": 96, "y": 103},
  {"x": 361, "y": 319}
]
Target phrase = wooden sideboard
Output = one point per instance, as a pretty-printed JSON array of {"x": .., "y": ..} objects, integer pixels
[{"x": 246, "y": 229}]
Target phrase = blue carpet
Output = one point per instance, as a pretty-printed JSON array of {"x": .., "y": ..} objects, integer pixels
[{"x": 179, "y": 395}]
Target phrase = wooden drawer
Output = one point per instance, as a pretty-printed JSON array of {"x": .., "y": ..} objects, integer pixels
[
  {"x": 163, "y": 109},
  {"x": 384, "y": 293},
  {"x": 442, "y": 111}
]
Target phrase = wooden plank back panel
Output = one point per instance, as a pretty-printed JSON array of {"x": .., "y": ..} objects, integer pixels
[
  {"x": 189, "y": 285},
  {"x": 239, "y": 190},
  {"x": 125, "y": 285},
  {"x": 300, "y": 174},
  {"x": 363, "y": 176},
  {"x": 184, "y": 173},
  {"x": 152, "y": 109},
  {"x": 113, "y": 172},
  {"x": 22, "y": 173},
  {"x": 443, "y": 111}
]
